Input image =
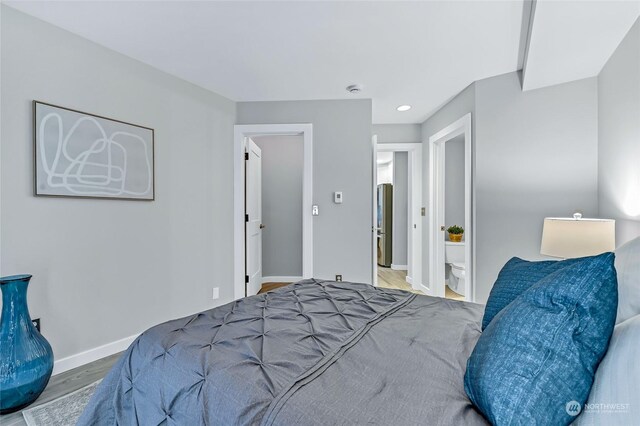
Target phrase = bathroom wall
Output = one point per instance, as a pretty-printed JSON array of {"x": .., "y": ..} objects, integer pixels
[{"x": 454, "y": 182}]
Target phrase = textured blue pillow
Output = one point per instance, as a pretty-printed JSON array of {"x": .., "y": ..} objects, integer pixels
[
  {"x": 540, "y": 352},
  {"x": 515, "y": 277}
]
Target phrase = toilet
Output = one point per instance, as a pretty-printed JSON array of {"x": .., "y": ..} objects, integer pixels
[{"x": 454, "y": 258}]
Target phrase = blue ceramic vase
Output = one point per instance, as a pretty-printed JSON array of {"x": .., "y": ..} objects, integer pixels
[{"x": 26, "y": 358}]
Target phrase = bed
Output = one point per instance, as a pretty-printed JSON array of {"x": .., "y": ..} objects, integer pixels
[{"x": 314, "y": 352}]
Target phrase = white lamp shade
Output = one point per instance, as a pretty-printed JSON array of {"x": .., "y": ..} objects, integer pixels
[{"x": 571, "y": 237}]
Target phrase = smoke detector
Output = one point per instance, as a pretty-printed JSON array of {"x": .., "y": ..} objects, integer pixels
[{"x": 354, "y": 88}]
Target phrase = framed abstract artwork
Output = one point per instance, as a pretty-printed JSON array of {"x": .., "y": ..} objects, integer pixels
[{"x": 85, "y": 155}]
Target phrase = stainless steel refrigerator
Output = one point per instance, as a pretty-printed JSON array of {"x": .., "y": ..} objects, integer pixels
[{"x": 385, "y": 218}]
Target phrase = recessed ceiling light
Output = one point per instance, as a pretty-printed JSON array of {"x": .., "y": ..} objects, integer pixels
[
  {"x": 354, "y": 88},
  {"x": 403, "y": 108}
]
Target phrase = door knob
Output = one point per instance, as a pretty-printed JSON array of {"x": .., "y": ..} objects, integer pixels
[
  {"x": 442, "y": 228},
  {"x": 262, "y": 226}
]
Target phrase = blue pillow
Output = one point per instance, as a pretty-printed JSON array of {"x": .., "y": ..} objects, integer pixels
[
  {"x": 515, "y": 277},
  {"x": 538, "y": 356}
]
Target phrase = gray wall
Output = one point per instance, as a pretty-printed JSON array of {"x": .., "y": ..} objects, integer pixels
[
  {"x": 282, "y": 174},
  {"x": 398, "y": 133},
  {"x": 619, "y": 137},
  {"x": 454, "y": 182},
  {"x": 536, "y": 155},
  {"x": 105, "y": 270},
  {"x": 342, "y": 161},
  {"x": 399, "y": 243},
  {"x": 459, "y": 106}
]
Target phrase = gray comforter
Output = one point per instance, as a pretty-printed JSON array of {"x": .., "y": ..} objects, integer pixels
[{"x": 314, "y": 352}]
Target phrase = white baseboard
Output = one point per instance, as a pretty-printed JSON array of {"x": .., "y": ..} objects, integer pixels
[
  {"x": 280, "y": 279},
  {"x": 399, "y": 267},
  {"x": 91, "y": 355},
  {"x": 408, "y": 279},
  {"x": 423, "y": 288}
]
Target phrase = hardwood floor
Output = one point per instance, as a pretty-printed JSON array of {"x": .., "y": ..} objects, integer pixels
[
  {"x": 388, "y": 278},
  {"x": 450, "y": 294},
  {"x": 271, "y": 286},
  {"x": 65, "y": 383}
]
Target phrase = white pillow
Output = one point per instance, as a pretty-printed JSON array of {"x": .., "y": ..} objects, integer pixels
[
  {"x": 614, "y": 398},
  {"x": 628, "y": 269}
]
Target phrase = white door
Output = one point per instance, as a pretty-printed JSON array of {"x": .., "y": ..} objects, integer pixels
[
  {"x": 374, "y": 223},
  {"x": 253, "y": 218}
]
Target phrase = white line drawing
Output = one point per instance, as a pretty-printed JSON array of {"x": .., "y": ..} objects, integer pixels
[{"x": 107, "y": 159}]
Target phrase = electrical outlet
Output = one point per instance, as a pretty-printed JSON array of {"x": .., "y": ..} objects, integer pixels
[
  {"x": 216, "y": 293},
  {"x": 36, "y": 323},
  {"x": 338, "y": 278}
]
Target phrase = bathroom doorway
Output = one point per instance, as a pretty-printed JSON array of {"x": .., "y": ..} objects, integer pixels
[
  {"x": 454, "y": 270},
  {"x": 451, "y": 231}
]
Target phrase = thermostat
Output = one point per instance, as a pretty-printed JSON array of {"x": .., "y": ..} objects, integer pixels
[{"x": 337, "y": 197}]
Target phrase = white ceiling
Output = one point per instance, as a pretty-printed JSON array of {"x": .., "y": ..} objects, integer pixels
[
  {"x": 417, "y": 53},
  {"x": 571, "y": 40}
]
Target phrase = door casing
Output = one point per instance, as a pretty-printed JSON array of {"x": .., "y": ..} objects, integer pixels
[
  {"x": 241, "y": 132},
  {"x": 436, "y": 284}
]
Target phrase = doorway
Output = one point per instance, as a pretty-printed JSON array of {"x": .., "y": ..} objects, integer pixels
[
  {"x": 252, "y": 144},
  {"x": 399, "y": 163},
  {"x": 451, "y": 262}
]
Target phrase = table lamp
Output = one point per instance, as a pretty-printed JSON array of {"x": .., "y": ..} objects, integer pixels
[{"x": 577, "y": 237}]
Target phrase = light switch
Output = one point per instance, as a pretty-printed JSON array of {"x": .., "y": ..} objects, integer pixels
[
  {"x": 337, "y": 197},
  {"x": 315, "y": 211}
]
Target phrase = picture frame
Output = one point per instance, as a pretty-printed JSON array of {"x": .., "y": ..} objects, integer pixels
[{"x": 83, "y": 155}]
